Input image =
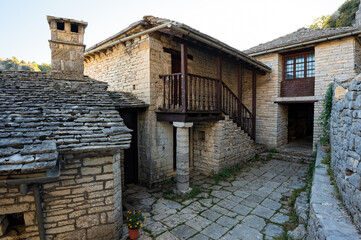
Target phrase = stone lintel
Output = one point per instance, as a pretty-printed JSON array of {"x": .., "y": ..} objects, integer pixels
[{"x": 183, "y": 124}]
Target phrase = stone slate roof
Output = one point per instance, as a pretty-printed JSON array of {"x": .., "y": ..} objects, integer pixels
[
  {"x": 151, "y": 21},
  {"x": 300, "y": 36},
  {"x": 42, "y": 117},
  {"x": 126, "y": 100}
]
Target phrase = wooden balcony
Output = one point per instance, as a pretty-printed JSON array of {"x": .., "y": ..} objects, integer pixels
[
  {"x": 192, "y": 98},
  {"x": 201, "y": 98}
]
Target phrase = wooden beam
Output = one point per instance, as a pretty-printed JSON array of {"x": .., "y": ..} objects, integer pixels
[
  {"x": 215, "y": 52},
  {"x": 219, "y": 89},
  {"x": 254, "y": 98},
  {"x": 175, "y": 52},
  {"x": 184, "y": 69}
]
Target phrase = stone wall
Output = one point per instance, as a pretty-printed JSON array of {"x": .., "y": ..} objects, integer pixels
[
  {"x": 219, "y": 145},
  {"x": 86, "y": 203},
  {"x": 271, "y": 126},
  {"x": 333, "y": 59},
  {"x": 345, "y": 135},
  {"x": 126, "y": 67},
  {"x": 135, "y": 67}
]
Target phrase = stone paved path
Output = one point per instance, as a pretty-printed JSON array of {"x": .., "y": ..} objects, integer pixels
[{"x": 247, "y": 206}]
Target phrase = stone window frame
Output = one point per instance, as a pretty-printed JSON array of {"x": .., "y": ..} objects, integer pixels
[{"x": 305, "y": 61}]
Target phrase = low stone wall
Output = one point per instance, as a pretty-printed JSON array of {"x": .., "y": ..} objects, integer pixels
[
  {"x": 219, "y": 145},
  {"x": 328, "y": 219},
  {"x": 346, "y": 143},
  {"x": 86, "y": 203}
]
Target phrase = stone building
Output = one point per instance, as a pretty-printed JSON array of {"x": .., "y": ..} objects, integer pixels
[
  {"x": 193, "y": 85},
  {"x": 304, "y": 63},
  {"x": 62, "y": 143}
]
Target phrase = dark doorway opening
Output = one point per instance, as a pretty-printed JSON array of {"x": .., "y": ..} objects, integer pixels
[
  {"x": 130, "y": 119},
  {"x": 300, "y": 122}
]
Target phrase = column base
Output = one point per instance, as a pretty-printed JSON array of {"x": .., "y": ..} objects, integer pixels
[{"x": 182, "y": 193}]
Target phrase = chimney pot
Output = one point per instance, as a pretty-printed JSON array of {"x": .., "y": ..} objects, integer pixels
[{"x": 67, "y": 48}]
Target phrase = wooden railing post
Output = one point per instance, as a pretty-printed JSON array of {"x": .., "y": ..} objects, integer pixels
[
  {"x": 254, "y": 98},
  {"x": 184, "y": 69},
  {"x": 240, "y": 80},
  {"x": 220, "y": 87}
]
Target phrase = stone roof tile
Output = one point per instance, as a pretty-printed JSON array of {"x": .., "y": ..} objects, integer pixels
[
  {"x": 41, "y": 116},
  {"x": 300, "y": 36}
]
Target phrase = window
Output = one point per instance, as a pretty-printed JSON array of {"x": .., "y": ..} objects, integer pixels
[
  {"x": 299, "y": 66},
  {"x": 60, "y": 25},
  {"x": 74, "y": 28}
]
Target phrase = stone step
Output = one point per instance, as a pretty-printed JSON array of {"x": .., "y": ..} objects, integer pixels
[{"x": 289, "y": 157}]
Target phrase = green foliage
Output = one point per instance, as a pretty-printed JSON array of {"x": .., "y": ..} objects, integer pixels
[
  {"x": 320, "y": 22},
  {"x": 170, "y": 195},
  {"x": 227, "y": 173},
  {"x": 326, "y": 115},
  {"x": 273, "y": 150},
  {"x": 134, "y": 219},
  {"x": 344, "y": 17},
  {"x": 15, "y": 64},
  {"x": 327, "y": 161},
  {"x": 44, "y": 67},
  {"x": 347, "y": 15}
]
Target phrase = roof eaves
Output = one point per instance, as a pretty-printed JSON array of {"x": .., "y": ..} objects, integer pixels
[
  {"x": 125, "y": 30},
  {"x": 305, "y": 43},
  {"x": 226, "y": 48}
]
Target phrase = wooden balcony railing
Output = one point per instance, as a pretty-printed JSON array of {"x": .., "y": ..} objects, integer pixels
[
  {"x": 201, "y": 93},
  {"x": 237, "y": 111},
  {"x": 204, "y": 95}
]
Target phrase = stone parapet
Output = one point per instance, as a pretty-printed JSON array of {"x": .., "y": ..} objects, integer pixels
[
  {"x": 345, "y": 135},
  {"x": 328, "y": 219}
]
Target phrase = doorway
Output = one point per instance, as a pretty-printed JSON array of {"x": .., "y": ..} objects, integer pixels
[
  {"x": 130, "y": 118},
  {"x": 300, "y": 122}
]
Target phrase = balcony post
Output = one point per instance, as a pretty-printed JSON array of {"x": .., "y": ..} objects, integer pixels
[
  {"x": 184, "y": 69},
  {"x": 254, "y": 104},
  {"x": 240, "y": 80},
  {"x": 219, "y": 89}
]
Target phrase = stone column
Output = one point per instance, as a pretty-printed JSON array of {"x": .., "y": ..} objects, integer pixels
[{"x": 182, "y": 156}]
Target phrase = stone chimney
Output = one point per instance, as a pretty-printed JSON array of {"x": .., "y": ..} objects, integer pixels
[
  {"x": 67, "y": 48},
  {"x": 358, "y": 17}
]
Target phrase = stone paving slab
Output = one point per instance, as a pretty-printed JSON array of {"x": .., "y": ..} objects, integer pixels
[{"x": 245, "y": 206}]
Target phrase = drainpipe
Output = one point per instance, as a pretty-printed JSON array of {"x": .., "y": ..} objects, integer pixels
[{"x": 39, "y": 212}]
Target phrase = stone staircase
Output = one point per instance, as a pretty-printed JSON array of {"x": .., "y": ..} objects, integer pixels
[{"x": 290, "y": 153}]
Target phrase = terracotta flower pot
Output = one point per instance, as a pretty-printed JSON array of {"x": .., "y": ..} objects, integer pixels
[{"x": 133, "y": 233}]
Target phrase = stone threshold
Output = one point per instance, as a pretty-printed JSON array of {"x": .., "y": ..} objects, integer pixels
[{"x": 328, "y": 218}]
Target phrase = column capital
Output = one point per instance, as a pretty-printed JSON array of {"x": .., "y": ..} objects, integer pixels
[{"x": 183, "y": 124}]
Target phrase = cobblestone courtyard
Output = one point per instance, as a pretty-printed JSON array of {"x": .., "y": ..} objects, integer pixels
[{"x": 250, "y": 205}]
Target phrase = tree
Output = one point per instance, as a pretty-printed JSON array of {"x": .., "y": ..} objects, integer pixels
[
  {"x": 15, "y": 64},
  {"x": 343, "y": 17},
  {"x": 44, "y": 67},
  {"x": 320, "y": 22}
]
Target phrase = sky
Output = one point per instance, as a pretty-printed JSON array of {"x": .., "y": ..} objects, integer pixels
[{"x": 24, "y": 31}]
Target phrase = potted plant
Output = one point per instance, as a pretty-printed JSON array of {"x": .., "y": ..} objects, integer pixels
[{"x": 134, "y": 221}]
